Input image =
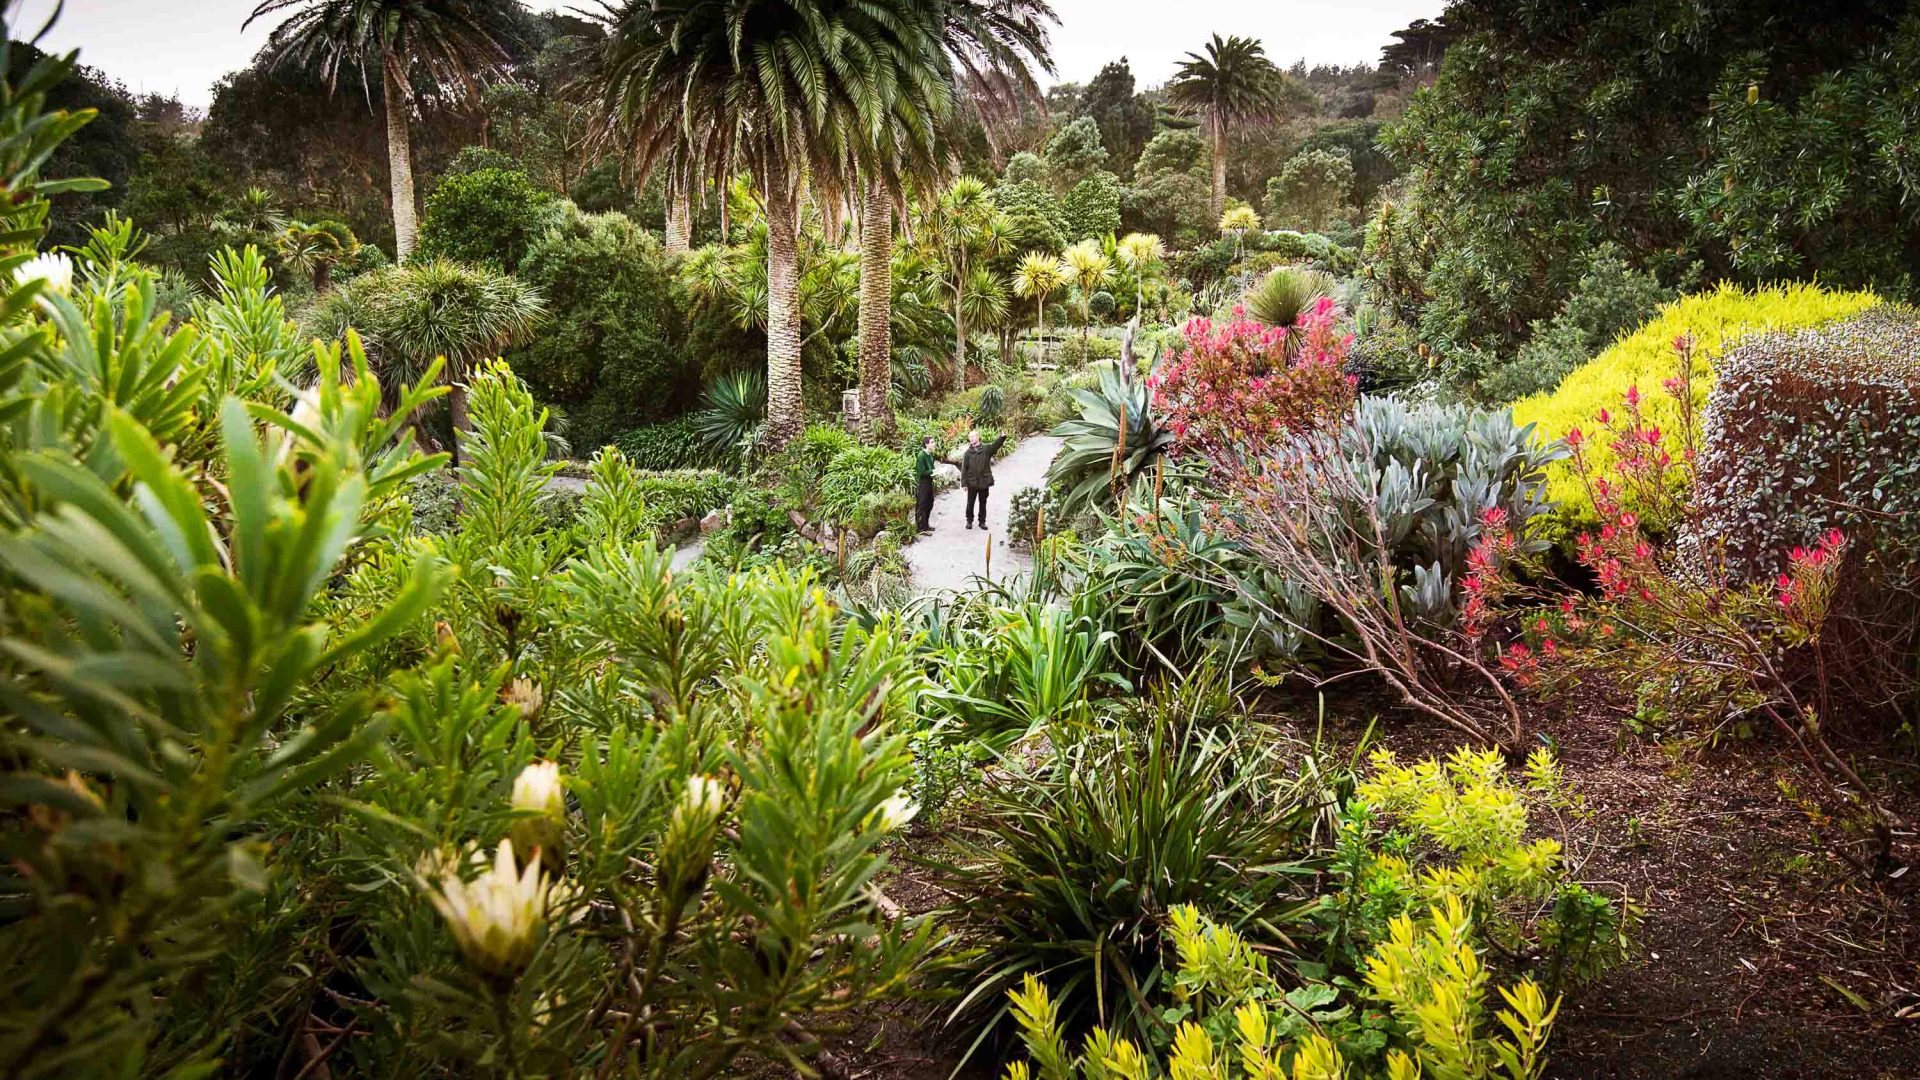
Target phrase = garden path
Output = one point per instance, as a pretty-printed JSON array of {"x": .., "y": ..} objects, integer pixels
[{"x": 954, "y": 555}]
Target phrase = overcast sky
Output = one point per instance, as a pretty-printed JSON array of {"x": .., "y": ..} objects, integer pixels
[{"x": 183, "y": 46}]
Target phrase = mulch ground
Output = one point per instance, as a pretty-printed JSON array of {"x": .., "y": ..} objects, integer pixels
[{"x": 1759, "y": 956}]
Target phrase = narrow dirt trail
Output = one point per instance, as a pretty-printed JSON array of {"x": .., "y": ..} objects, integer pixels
[{"x": 954, "y": 555}]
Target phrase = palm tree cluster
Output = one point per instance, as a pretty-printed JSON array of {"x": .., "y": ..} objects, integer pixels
[{"x": 828, "y": 100}]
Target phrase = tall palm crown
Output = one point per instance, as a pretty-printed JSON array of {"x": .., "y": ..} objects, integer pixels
[
  {"x": 807, "y": 92},
  {"x": 1232, "y": 83},
  {"x": 450, "y": 45}
]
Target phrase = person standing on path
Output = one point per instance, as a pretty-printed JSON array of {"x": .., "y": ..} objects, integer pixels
[
  {"x": 923, "y": 487},
  {"x": 976, "y": 472}
]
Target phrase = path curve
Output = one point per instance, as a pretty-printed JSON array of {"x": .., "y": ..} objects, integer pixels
[{"x": 954, "y": 555}]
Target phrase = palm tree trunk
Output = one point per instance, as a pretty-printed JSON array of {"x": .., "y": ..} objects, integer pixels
[
  {"x": 785, "y": 412},
  {"x": 1218, "y": 129},
  {"x": 960, "y": 321},
  {"x": 679, "y": 221},
  {"x": 399, "y": 162},
  {"x": 876, "y": 311}
]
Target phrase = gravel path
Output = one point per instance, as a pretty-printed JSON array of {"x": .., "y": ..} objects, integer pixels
[{"x": 954, "y": 555}]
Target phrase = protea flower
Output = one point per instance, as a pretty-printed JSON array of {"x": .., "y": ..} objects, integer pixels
[{"x": 499, "y": 918}]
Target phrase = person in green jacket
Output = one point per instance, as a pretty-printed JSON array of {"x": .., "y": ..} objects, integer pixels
[
  {"x": 976, "y": 472},
  {"x": 923, "y": 487}
]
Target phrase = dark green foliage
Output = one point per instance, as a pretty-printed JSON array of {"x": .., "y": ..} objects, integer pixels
[
  {"x": 1075, "y": 152},
  {"x": 1071, "y": 868},
  {"x": 1358, "y": 139},
  {"x": 108, "y": 148},
  {"x": 732, "y": 411},
  {"x": 1609, "y": 299},
  {"x": 613, "y": 350},
  {"x": 857, "y": 479},
  {"x": 1311, "y": 192},
  {"x": 489, "y": 217},
  {"x": 672, "y": 444},
  {"x": 1685, "y": 132},
  {"x": 1170, "y": 190},
  {"x": 1092, "y": 208},
  {"x": 1125, "y": 118},
  {"x": 1035, "y": 218}
]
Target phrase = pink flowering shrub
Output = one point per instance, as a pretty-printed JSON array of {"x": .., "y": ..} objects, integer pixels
[
  {"x": 1238, "y": 388},
  {"x": 1697, "y": 645}
]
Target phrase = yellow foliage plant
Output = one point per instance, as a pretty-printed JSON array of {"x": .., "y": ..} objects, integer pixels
[
  {"x": 1644, "y": 359},
  {"x": 1428, "y": 973}
]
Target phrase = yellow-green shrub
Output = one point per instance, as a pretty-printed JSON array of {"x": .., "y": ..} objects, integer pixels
[{"x": 1645, "y": 358}]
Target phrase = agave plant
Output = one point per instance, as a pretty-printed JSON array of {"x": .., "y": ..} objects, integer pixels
[
  {"x": 733, "y": 409},
  {"x": 1115, "y": 441}
]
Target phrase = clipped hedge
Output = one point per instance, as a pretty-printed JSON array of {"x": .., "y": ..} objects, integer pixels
[
  {"x": 1715, "y": 319},
  {"x": 1819, "y": 429},
  {"x": 1812, "y": 430}
]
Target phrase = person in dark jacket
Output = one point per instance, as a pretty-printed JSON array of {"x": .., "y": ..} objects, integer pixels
[
  {"x": 923, "y": 487},
  {"x": 976, "y": 472}
]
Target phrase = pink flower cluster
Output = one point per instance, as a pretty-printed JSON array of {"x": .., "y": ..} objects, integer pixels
[{"x": 1237, "y": 387}]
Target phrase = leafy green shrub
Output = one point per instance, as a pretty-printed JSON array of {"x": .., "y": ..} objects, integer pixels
[
  {"x": 1092, "y": 208},
  {"x": 858, "y": 473},
  {"x": 684, "y": 493},
  {"x": 674, "y": 444},
  {"x": 1074, "y": 866},
  {"x": 992, "y": 405},
  {"x": 1814, "y": 430},
  {"x": 1713, "y": 321},
  {"x": 487, "y": 217},
  {"x": 613, "y": 350},
  {"x": 1076, "y": 352},
  {"x": 1609, "y": 299},
  {"x": 1167, "y": 575}
]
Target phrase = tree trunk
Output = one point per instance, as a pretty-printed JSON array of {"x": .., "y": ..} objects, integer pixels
[
  {"x": 456, "y": 375},
  {"x": 399, "y": 162},
  {"x": 876, "y": 311},
  {"x": 960, "y": 321},
  {"x": 1218, "y": 128},
  {"x": 679, "y": 221},
  {"x": 785, "y": 412}
]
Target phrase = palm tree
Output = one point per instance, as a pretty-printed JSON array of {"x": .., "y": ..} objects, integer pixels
[
  {"x": 1232, "y": 83},
  {"x": 795, "y": 93},
  {"x": 991, "y": 47},
  {"x": 1088, "y": 268},
  {"x": 964, "y": 223},
  {"x": 452, "y": 44},
  {"x": 1142, "y": 253},
  {"x": 1039, "y": 276}
]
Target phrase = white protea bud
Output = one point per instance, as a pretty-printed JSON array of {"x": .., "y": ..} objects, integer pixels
[
  {"x": 686, "y": 849},
  {"x": 499, "y": 918},
  {"x": 704, "y": 798},
  {"x": 53, "y": 268},
  {"x": 523, "y": 694},
  {"x": 539, "y": 791},
  {"x": 895, "y": 812}
]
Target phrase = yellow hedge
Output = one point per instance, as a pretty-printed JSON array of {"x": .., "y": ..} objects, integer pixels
[{"x": 1645, "y": 358}]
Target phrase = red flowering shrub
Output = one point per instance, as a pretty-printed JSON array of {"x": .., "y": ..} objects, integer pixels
[
  {"x": 1238, "y": 388},
  {"x": 1696, "y": 644}
]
